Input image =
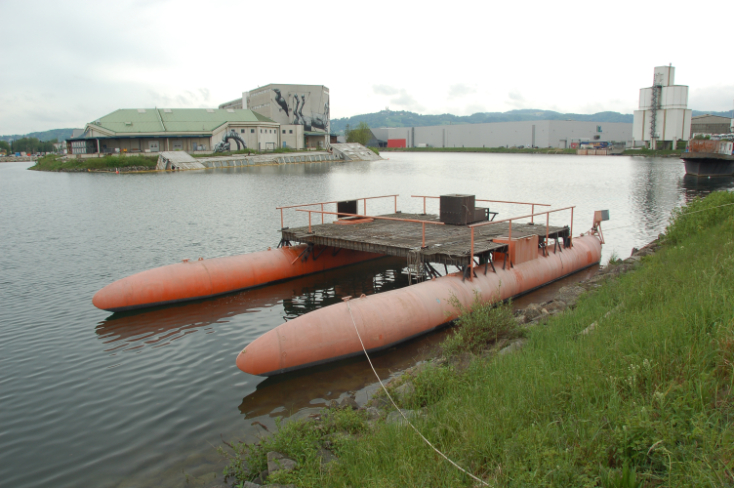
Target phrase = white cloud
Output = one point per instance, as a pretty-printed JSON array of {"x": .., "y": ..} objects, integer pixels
[
  {"x": 461, "y": 90},
  {"x": 83, "y": 62}
]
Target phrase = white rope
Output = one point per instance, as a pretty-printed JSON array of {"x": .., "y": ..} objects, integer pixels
[
  {"x": 400, "y": 411},
  {"x": 710, "y": 208}
]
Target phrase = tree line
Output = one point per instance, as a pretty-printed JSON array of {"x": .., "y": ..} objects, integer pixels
[{"x": 30, "y": 145}]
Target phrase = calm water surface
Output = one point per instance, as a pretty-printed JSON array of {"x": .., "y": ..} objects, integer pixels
[{"x": 93, "y": 399}]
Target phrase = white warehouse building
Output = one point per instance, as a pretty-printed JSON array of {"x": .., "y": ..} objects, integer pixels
[
  {"x": 663, "y": 115},
  {"x": 538, "y": 133}
]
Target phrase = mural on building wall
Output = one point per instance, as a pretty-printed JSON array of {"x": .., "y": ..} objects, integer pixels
[
  {"x": 224, "y": 145},
  {"x": 305, "y": 107}
]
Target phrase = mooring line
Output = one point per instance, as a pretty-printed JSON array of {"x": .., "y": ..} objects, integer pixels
[
  {"x": 703, "y": 210},
  {"x": 399, "y": 410}
]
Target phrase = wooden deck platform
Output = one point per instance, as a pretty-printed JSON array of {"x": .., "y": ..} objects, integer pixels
[{"x": 444, "y": 244}]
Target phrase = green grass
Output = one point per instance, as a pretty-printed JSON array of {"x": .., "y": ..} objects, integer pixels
[
  {"x": 55, "y": 163},
  {"x": 647, "y": 399}
]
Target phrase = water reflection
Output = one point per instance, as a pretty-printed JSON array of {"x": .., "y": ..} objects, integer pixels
[
  {"x": 651, "y": 196},
  {"x": 694, "y": 186}
]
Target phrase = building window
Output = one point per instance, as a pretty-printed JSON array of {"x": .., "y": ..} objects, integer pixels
[
  {"x": 261, "y": 131},
  {"x": 252, "y": 131},
  {"x": 242, "y": 131},
  {"x": 290, "y": 131},
  {"x": 283, "y": 131}
]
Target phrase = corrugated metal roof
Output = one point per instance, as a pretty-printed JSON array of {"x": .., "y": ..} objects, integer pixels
[{"x": 134, "y": 121}]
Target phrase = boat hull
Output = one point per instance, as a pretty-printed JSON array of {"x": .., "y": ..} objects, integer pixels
[
  {"x": 708, "y": 164},
  {"x": 386, "y": 319},
  {"x": 207, "y": 278}
]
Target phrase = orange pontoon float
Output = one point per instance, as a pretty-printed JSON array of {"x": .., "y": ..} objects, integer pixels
[
  {"x": 508, "y": 266},
  {"x": 206, "y": 278}
]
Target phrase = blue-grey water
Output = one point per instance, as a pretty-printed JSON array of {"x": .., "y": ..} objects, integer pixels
[{"x": 93, "y": 399}]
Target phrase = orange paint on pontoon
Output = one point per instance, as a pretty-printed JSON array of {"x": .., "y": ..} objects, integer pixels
[
  {"x": 210, "y": 277},
  {"x": 388, "y": 318}
]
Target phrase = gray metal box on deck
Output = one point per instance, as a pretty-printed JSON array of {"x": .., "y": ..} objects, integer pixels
[{"x": 457, "y": 209}]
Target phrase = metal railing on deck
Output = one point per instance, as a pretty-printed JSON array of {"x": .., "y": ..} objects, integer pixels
[
  {"x": 532, "y": 210},
  {"x": 509, "y": 237},
  {"x": 364, "y": 199}
]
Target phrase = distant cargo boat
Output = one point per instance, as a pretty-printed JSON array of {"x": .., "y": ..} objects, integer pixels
[{"x": 709, "y": 157}]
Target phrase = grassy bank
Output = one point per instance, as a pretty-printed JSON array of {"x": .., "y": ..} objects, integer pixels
[
  {"x": 55, "y": 163},
  {"x": 644, "y": 400}
]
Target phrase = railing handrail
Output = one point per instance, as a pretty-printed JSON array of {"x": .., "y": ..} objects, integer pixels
[
  {"x": 492, "y": 201},
  {"x": 334, "y": 201},
  {"x": 376, "y": 217},
  {"x": 364, "y": 201},
  {"x": 480, "y": 224}
]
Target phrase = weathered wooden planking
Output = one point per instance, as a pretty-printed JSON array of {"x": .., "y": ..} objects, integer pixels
[{"x": 449, "y": 244}]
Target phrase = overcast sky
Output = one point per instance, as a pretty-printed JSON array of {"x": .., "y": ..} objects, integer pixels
[{"x": 67, "y": 63}]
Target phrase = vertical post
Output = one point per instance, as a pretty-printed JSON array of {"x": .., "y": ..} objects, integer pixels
[
  {"x": 509, "y": 244},
  {"x": 281, "y": 218},
  {"x": 532, "y": 215},
  {"x": 322, "y": 213},
  {"x": 471, "y": 257},
  {"x": 396, "y": 203},
  {"x": 424, "y": 205},
  {"x": 570, "y": 238},
  {"x": 423, "y": 242},
  {"x": 510, "y": 224},
  {"x": 547, "y": 226},
  {"x": 309, "y": 221},
  {"x": 365, "y": 206}
]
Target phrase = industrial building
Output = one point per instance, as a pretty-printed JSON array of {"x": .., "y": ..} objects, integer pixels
[
  {"x": 711, "y": 124},
  {"x": 540, "y": 133},
  {"x": 301, "y": 110},
  {"x": 153, "y": 130},
  {"x": 663, "y": 117}
]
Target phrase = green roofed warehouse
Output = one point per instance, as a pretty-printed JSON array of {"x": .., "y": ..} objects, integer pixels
[{"x": 153, "y": 130}]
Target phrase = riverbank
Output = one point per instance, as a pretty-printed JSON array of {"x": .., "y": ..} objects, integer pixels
[
  {"x": 514, "y": 150},
  {"x": 622, "y": 381}
]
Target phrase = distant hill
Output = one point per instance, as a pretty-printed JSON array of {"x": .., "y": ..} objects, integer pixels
[
  {"x": 49, "y": 135},
  {"x": 389, "y": 118},
  {"x": 727, "y": 113}
]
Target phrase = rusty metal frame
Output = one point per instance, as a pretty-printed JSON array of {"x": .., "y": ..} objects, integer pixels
[{"x": 509, "y": 238}]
